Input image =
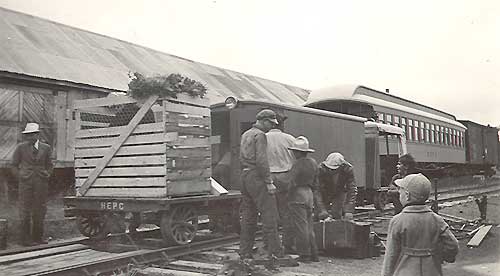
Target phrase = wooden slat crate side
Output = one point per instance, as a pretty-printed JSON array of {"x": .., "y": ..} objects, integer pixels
[
  {"x": 91, "y": 124},
  {"x": 185, "y": 98},
  {"x": 189, "y": 130},
  {"x": 127, "y": 192},
  {"x": 188, "y": 152},
  {"x": 191, "y": 142},
  {"x": 188, "y": 187},
  {"x": 188, "y": 163},
  {"x": 188, "y": 174},
  {"x": 125, "y": 182},
  {"x": 114, "y": 131},
  {"x": 124, "y": 161},
  {"x": 188, "y": 120},
  {"x": 105, "y": 101},
  {"x": 125, "y": 171},
  {"x": 126, "y": 150},
  {"x": 131, "y": 140},
  {"x": 187, "y": 109}
]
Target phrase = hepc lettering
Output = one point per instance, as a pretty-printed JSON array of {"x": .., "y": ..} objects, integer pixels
[{"x": 112, "y": 205}]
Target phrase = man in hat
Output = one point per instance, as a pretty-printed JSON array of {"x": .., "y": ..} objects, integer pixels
[
  {"x": 280, "y": 163},
  {"x": 418, "y": 239},
  {"x": 303, "y": 186},
  {"x": 32, "y": 165},
  {"x": 257, "y": 188},
  {"x": 337, "y": 186}
]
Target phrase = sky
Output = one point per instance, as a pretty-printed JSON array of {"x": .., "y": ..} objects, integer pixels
[{"x": 444, "y": 54}]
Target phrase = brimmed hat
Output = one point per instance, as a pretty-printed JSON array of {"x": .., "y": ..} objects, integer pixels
[
  {"x": 416, "y": 184},
  {"x": 31, "y": 128},
  {"x": 335, "y": 160},
  {"x": 301, "y": 144},
  {"x": 267, "y": 114}
]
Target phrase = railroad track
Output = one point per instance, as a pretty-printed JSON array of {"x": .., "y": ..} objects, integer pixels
[
  {"x": 115, "y": 255},
  {"x": 103, "y": 259}
]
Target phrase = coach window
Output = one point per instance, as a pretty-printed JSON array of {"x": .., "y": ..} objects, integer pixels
[
  {"x": 388, "y": 119},
  {"x": 404, "y": 126},
  {"x": 410, "y": 130},
  {"x": 448, "y": 140},
  {"x": 381, "y": 117},
  {"x": 462, "y": 139},
  {"x": 432, "y": 133},
  {"x": 441, "y": 129},
  {"x": 396, "y": 121},
  {"x": 427, "y": 132},
  {"x": 453, "y": 137},
  {"x": 437, "y": 134},
  {"x": 421, "y": 136},
  {"x": 416, "y": 132}
]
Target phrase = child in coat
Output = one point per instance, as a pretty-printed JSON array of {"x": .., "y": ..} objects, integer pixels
[{"x": 418, "y": 239}]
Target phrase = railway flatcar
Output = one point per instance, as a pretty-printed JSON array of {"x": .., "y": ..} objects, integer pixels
[
  {"x": 145, "y": 162},
  {"x": 435, "y": 138}
]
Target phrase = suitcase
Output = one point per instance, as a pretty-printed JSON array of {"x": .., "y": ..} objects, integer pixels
[{"x": 343, "y": 238}]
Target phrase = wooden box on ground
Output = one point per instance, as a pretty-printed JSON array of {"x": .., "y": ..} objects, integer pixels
[
  {"x": 153, "y": 148},
  {"x": 343, "y": 238}
]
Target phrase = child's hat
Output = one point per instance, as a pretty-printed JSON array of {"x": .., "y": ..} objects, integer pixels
[{"x": 416, "y": 184}]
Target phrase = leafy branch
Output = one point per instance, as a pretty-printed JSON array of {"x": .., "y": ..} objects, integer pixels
[{"x": 141, "y": 86}]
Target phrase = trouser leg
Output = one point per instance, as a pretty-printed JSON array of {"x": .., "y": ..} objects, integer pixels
[
  {"x": 282, "y": 181},
  {"x": 25, "y": 207},
  {"x": 39, "y": 208},
  {"x": 248, "y": 223},
  {"x": 312, "y": 237},
  {"x": 338, "y": 205},
  {"x": 300, "y": 219}
]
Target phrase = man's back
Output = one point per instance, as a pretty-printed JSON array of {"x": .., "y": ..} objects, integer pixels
[{"x": 280, "y": 158}]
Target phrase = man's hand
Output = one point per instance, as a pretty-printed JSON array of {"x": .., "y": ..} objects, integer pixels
[
  {"x": 271, "y": 189},
  {"x": 323, "y": 215},
  {"x": 348, "y": 216}
]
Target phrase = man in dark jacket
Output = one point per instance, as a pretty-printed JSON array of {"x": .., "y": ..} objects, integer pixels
[
  {"x": 337, "y": 186},
  {"x": 31, "y": 164},
  {"x": 301, "y": 197},
  {"x": 257, "y": 188},
  {"x": 405, "y": 166}
]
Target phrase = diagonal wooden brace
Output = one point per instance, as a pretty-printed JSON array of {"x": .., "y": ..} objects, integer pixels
[{"x": 125, "y": 133}]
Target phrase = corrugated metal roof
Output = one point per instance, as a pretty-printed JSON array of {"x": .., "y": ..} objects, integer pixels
[{"x": 38, "y": 47}]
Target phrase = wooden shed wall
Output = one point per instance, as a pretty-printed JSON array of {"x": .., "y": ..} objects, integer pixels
[{"x": 48, "y": 106}]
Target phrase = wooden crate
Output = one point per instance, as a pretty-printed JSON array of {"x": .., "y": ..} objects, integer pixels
[{"x": 161, "y": 149}]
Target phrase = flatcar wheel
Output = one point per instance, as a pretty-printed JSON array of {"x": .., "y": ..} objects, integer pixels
[
  {"x": 179, "y": 225},
  {"x": 92, "y": 226}
]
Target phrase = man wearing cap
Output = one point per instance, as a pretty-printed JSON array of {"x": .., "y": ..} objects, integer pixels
[
  {"x": 303, "y": 187},
  {"x": 418, "y": 239},
  {"x": 337, "y": 186},
  {"x": 31, "y": 164},
  {"x": 280, "y": 163},
  {"x": 257, "y": 188}
]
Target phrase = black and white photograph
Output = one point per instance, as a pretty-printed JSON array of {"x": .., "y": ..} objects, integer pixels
[{"x": 249, "y": 138}]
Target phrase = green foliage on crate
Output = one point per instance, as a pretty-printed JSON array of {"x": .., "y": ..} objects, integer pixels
[{"x": 141, "y": 86}]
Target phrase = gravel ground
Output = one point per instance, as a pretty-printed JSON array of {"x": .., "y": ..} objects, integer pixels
[{"x": 481, "y": 261}]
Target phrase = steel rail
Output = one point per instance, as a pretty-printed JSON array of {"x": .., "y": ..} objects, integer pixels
[{"x": 140, "y": 257}]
